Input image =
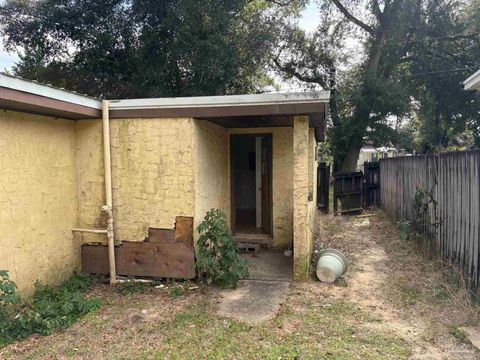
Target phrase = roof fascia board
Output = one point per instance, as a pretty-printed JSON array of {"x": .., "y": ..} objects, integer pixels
[
  {"x": 473, "y": 82},
  {"x": 47, "y": 91},
  {"x": 17, "y": 100},
  {"x": 220, "y": 111},
  {"x": 221, "y": 101}
]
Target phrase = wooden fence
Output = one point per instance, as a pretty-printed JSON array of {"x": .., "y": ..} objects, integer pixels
[{"x": 449, "y": 221}]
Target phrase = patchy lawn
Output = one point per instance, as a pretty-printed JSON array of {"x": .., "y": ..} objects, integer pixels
[{"x": 392, "y": 304}]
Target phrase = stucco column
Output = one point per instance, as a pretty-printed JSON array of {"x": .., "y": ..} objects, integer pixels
[{"x": 301, "y": 243}]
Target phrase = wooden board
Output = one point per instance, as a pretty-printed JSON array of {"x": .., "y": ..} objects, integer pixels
[
  {"x": 95, "y": 259},
  {"x": 161, "y": 235},
  {"x": 184, "y": 229},
  {"x": 166, "y": 260}
]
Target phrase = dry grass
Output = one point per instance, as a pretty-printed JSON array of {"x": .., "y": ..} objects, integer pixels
[{"x": 422, "y": 299}]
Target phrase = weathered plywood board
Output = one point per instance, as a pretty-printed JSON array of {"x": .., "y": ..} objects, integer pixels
[
  {"x": 95, "y": 259},
  {"x": 150, "y": 259},
  {"x": 184, "y": 229},
  {"x": 169, "y": 260}
]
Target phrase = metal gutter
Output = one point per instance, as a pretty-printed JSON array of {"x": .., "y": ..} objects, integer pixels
[
  {"x": 222, "y": 101},
  {"x": 473, "y": 82}
]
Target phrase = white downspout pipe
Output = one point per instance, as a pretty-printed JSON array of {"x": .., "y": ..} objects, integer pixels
[
  {"x": 108, "y": 207},
  {"x": 108, "y": 190}
]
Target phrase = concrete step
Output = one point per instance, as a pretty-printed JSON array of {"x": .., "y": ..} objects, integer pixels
[
  {"x": 264, "y": 240},
  {"x": 248, "y": 247}
]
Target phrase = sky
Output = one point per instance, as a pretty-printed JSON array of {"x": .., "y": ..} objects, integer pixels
[
  {"x": 6, "y": 60},
  {"x": 308, "y": 22}
]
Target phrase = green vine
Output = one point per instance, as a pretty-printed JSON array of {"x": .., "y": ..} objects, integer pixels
[{"x": 423, "y": 199}]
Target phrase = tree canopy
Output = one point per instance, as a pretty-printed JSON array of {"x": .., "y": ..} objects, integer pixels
[
  {"x": 406, "y": 81},
  {"x": 133, "y": 48}
]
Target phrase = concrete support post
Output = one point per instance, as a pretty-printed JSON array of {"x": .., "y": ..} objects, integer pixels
[{"x": 301, "y": 243}]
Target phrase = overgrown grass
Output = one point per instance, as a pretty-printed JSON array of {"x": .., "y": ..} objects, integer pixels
[
  {"x": 339, "y": 331},
  {"x": 50, "y": 308}
]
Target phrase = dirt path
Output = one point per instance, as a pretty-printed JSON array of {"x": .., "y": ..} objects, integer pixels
[{"x": 389, "y": 279}]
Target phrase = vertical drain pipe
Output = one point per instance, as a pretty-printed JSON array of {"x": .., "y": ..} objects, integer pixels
[{"x": 108, "y": 208}]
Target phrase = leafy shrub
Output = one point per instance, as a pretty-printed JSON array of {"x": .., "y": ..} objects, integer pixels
[
  {"x": 404, "y": 228},
  {"x": 8, "y": 290},
  {"x": 130, "y": 287},
  {"x": 8, "y": 294},
  {"x": 49, "y": 309},
  {"x": 218, "y": 261}
]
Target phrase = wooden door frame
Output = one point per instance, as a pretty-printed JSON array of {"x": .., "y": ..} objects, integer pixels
[{"x": 232, "y": 187}]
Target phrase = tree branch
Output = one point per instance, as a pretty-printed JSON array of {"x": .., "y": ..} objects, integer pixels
[
  {"x": 352, "y": 18},
  {"x": 288, "y": 69},
  {"x": 281, "y": 3}
]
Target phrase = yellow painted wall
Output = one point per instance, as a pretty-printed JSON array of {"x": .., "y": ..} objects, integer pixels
[
  {"x": 152, "y": 170},
  {"x": 302, "y": 236},
  {"x": 38, "y": 199},
  {"x": 282, "y": 151},
  {"x": 312, "y": 187},
  {"x": 91, "y": 176},
  {"x": 212, "y": 187},
  {"x": 52, "y": 180}
]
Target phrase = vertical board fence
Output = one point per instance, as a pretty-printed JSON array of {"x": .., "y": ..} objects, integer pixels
[
  {"x": 371, "y": 183},
  {"x": 450, "y": 226},
  {"x": 323, "y": 187}
]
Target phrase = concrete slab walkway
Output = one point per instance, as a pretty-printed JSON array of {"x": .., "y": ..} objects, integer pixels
[{"x": 253, "y": 301}]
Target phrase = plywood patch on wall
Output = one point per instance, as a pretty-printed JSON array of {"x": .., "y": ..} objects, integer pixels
[{"x": 166, "y": 253}]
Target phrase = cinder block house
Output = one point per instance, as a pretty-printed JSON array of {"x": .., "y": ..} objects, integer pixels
[{"x": 253, "y": 156}]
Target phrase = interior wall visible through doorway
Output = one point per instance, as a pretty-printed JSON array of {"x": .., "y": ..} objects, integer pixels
[{"x": 248, "y": 171}]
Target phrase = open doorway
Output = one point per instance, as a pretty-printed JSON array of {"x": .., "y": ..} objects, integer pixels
[{"x": 251, "y": 183}]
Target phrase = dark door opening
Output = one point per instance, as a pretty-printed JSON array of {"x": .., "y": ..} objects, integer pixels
[{"x": 251, "y": 183}]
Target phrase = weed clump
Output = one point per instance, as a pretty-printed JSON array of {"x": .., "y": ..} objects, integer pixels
[{"x": 50, "y": 308}]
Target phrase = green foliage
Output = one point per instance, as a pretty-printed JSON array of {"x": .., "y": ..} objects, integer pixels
[
  {"x": 447, "y": 114},
  {"x": 459, "y": 335},
  {"x": 423, "y": 199},
  {"x": 218, "y": 261},
  {"x": 404, "y": 228},
  {"x": 50, "y": 308},
  {"x": 143, "y": 48},
  {"x": 130, "y": 287},
  {"x": 324, "y": 152},
  {"x": 402, "y": 84},
  {"x": 175, "y": 291},
  {"x": 8, "y": 289}
]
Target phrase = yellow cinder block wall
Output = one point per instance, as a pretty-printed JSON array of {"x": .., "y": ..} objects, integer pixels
[
  {"x": 52, "y": 180},
  {"x": 303, "y": 215},
  {"x": 163, "y": 168},
  {"x": 38, "y": 199},
  {"x": 212, "y": 187},
  {"x": 152, "y": 169}
]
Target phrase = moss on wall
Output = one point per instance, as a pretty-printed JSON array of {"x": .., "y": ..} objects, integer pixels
[{"x": 38, "y": 198}]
